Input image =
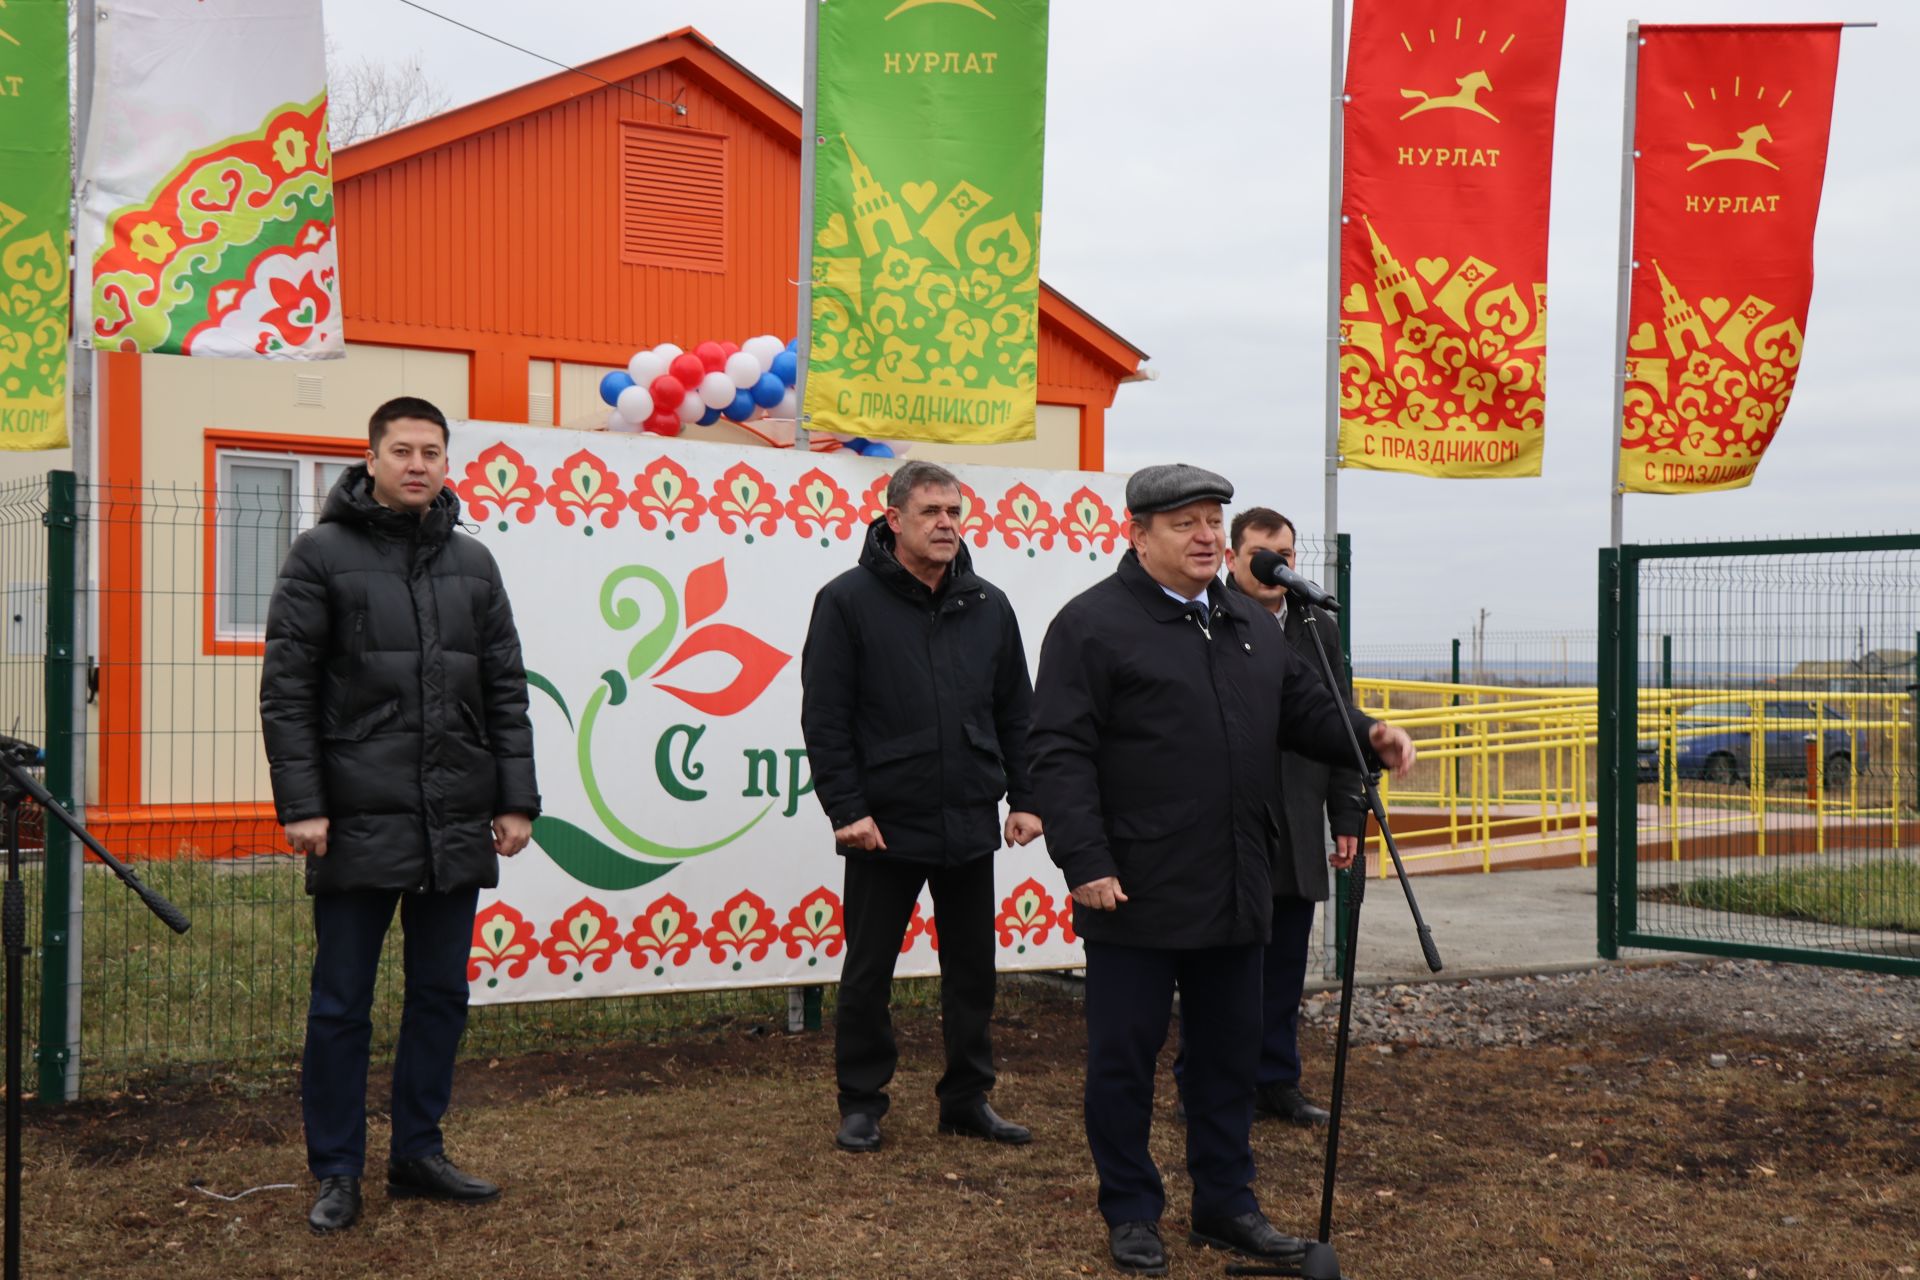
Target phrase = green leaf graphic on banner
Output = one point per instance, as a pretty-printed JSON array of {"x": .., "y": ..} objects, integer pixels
[{"x": 590, "y": 862}]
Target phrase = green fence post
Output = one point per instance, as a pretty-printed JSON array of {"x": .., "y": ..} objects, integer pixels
[
  {"x": 1343, "y": 588},
  {"x": 1625, "y": 766},
  {"x": 810, "y": 1000},
  {"x": 1607, "y": 662},
  {"x": 62, "y": 518}
]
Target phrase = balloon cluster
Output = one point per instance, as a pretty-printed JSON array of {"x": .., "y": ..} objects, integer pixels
[{"x": 664, "y": 389}]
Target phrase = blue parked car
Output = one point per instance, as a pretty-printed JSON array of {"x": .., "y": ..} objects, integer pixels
[{"x": 1716, "y": 745}]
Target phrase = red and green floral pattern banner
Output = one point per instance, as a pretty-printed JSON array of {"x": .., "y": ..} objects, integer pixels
[
  {"x": 207, "y": 217},
  {"x": 682, "y": 847}
]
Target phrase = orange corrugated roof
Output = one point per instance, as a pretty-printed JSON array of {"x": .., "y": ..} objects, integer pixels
[{"x": 703, "y": 58}]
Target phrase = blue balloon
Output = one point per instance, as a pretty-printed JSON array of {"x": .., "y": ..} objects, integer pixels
[
  {"x": 794, "y": 345},
  {"x": 875, "y": 449},
  {"x": 858, "y": 445},
  {"x": 613, "y": 384},
  {"x": 769, "y": 391},
  {"x": 741, "y": 409},
  {"x": 786, "y": 367},
  {"x": 710, "y": 417}
]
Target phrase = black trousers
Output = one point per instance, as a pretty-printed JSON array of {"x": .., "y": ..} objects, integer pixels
[
  {"x": 1129, "y": 1004},
  {"x": 878, "y": 899},
  {"x": 1282, "y": 981},
  {"x": 349, "y": 929}
]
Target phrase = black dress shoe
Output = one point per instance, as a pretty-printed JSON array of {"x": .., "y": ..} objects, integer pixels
[
  {"x": 1288, "y": 1103},
  {"x": 1250, "y": 1234},
  {"x": 1136, "y": 1248},
  {"x": 434, "y": 1177},
  {"x": 858, "y": 1132},
  {"x": 979, "y": 1121},
  {"x": 338, "y": 1205}
]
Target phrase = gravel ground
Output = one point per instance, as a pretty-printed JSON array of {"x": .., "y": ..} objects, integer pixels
[{"x": 1801, "y": 1004}]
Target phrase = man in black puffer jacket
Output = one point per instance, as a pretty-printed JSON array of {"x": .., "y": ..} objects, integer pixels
[
  {"x": 394, "y": 705},
  {"x": 914, "y": 710}
]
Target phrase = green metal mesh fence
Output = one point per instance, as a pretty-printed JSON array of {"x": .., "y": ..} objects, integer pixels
[{"x": 1767, "y": 698}]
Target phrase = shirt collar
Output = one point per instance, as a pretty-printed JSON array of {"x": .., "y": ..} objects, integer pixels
[{"x": 1200, "y": 599}]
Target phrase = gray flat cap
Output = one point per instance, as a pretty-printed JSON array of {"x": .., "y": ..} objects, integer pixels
[{"x": 1174, "y": 484}]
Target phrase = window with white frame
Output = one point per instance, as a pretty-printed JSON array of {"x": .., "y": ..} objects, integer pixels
[{"x": 265, "y": 500}]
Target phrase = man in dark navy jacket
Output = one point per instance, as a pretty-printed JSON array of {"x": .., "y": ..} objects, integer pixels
[
  {"x": 915, "y": 708},
  {"x": 1161, "y": 709}
]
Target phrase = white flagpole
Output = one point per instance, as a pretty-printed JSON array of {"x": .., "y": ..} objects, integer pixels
[{"x": 1624, "y": 300}]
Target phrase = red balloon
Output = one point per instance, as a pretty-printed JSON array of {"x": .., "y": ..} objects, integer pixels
[
  {"x": 689, "y": 368},
  {"x": 668, "y": 390},
  {"x": 665, "y": 424},
  {"x": 729, "y": 348},
  {"x": 713, "y": 356}
]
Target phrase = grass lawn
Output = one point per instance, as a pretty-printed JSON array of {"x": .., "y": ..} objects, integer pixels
[{"x": 1881, "y": 894}]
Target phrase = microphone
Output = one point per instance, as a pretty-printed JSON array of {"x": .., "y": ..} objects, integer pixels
[{"x": 1269, "y": 568}]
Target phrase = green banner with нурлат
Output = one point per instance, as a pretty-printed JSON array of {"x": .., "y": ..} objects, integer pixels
[{"x": 930, "y": 123}]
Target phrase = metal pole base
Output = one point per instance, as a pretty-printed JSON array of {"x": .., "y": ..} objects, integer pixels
[{"x": 1320, "y": 1263}]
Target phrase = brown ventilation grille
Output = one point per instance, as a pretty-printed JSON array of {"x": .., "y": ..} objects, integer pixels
[{"x": 673, "y": 198}]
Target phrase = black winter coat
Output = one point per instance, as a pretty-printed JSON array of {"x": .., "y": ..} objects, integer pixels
[
  {"x": 1156, "y": 749},
  {"x": 1309, "y": 788},
  {"x": 393, "y": 698},
  {"x": 915, "y": 706}
]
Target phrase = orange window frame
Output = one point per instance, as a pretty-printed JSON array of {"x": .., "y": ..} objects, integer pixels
[{"x": 217, "y": 442}]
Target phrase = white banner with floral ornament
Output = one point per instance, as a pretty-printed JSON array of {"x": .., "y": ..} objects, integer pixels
[{"x": 662, "y": 589}]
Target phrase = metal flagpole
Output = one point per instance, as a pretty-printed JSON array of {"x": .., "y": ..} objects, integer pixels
[
  {"x": 82, "y": 437},
  {"x": 1623, "y": 302},
  {"x": 1336, "y": 112},
  {"x": 809, "y": 144},
  {"x": 1336, "y": 134}
]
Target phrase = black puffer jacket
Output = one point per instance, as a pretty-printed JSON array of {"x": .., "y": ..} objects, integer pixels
[
  {"x": 393, "y": 698},
  {"x": 1156, "y": 754},
  {"x": 915, "y": 706}
]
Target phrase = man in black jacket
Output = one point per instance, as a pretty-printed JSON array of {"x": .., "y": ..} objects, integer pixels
[
  {"x": 394, "y": 706},
  {"x": 915, "y": 709},
  {"x": 1162, "y": 705},
  {"x": 1315, "y": 798}
]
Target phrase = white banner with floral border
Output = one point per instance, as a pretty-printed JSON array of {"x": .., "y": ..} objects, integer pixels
[{"x": 662, "y": 590}]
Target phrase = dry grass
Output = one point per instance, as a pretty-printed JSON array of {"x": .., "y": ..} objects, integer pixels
[{"x": 1628, "y": 1158}]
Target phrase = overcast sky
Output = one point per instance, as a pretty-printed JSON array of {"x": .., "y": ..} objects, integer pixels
[{"x": 1186, "y": 202}]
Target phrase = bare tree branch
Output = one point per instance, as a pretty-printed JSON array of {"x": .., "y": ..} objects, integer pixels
[{"x": 366, "y": 98}]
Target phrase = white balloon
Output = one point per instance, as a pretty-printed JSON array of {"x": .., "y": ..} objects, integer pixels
[
  {"x": 617, "y": 423},
  {"x": 763, "y": 348},
  {"x": 636, "y": 405},
  {"x": 666, "y": 351},
  {"x": 717, "y": 391},
  {"x": 646, "y": 366},
  {"x": 744, "y": 369},
  {"x": 692, "y": 409},
  {"x": 789, "y": 405}
]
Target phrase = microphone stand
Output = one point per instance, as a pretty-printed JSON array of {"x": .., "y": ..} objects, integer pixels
[
  {"x": 1321, "y": 1262},
  {"x": 16, "y": 788}
]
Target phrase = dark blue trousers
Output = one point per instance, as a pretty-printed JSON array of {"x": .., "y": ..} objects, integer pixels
[
  {"x": 1283, "y": 978},
  {"x": 349, "y": 929},
  {"x": 1129, "y": 1003}
]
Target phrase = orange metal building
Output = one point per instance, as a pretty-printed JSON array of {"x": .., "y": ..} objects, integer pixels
[{"x": 561, "y": 225}]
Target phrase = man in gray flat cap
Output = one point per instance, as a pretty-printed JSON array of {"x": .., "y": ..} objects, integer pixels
[{"x": 1161, "y": 708}]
